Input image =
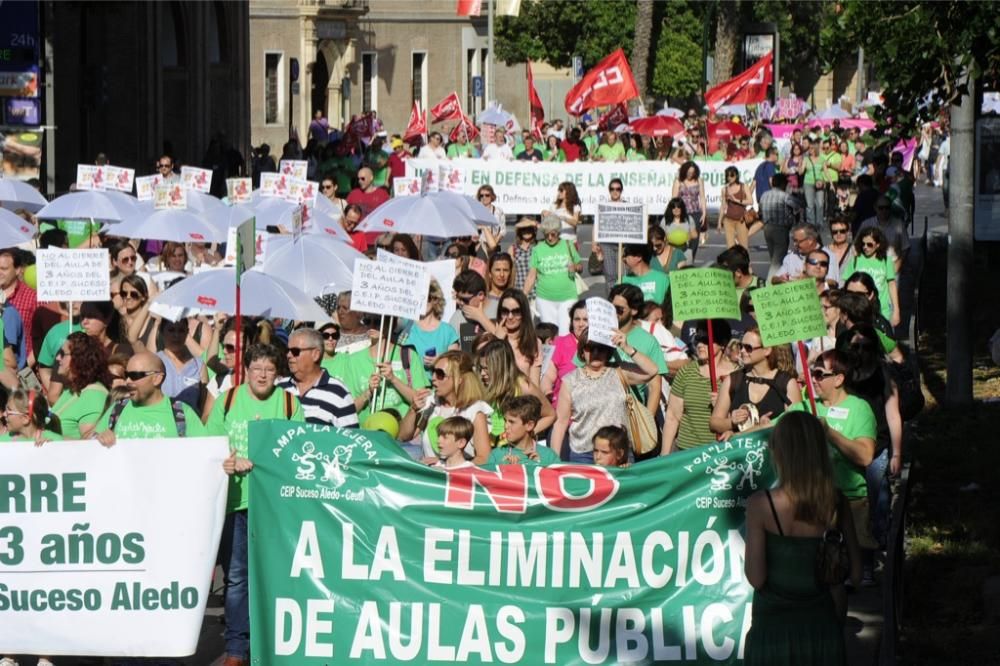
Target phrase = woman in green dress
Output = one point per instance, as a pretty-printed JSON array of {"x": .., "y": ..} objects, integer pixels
[
  {"x": 796, "y": 619},
  {"x": 83, "y": 373}
]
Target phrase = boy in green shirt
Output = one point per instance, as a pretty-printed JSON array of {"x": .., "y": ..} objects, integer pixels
[
  {"x": 520, "y": 415},
  {"x": 654, "y": 284}
]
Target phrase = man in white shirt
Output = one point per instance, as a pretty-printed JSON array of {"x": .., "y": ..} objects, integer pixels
[{"x": 498, "y": 150}]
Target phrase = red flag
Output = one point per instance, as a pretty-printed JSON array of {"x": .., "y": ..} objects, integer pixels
[
  {"x": 537, "y": 112},
  {"x": 469, "y": 7},
  {"x": 470, "y": 129},
  {"x": 750, "y": 87},
  {"x": 610, "y": 82},
  {"x": 450, "y": 108},
  {"x": 613, "y": 118},
  {"x": 417, "y": 125}
]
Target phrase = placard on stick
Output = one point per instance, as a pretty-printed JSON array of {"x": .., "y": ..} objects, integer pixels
[
  {"x": 602, "y": 320},
  {"x": 620, "y": 223},
  {"x": 393, "y": 289},
  {"x": 73, "y": 275},
  {"x": 788, "y": 312},
  {"x": 704, "y": 293}
]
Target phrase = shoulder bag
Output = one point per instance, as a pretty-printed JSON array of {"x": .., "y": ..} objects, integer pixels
[{"x": 641, "y": 426}]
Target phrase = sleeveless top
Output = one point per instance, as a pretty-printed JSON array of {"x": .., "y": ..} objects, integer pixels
[
  {"x": 597, "y": 402},
  {"x": 689, "y": 195},
  {"x": 774, "y": 400}
]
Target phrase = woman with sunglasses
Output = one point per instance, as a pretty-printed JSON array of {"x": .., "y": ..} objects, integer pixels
[
  {"x": 520, "y": 250},
  {"x": 28, "y": 418},
  {"x": 490, "y": 237},
  {"x": 762, "y": 389},
  {"x": 457, "y": 391},
  {"x": 328, "y": 188},
  {"x": 140, "y": 326},
  {"x": 689, "y": 187},
  {"x": 593, "y": 396},
  {"x": 503, "y": 380},
  {"x": 186, "y": 374},
  {"x": 514, "y": 325},
  {"x": 126, "y": 261},
  {"x": 736, "y": 200},
  {"x": 554, "y": 265},
  {"x": 429, "y": 335},
  {"x": 872, "y": 256},
  {"x": 331, "y": 336},
  {"x": 841, "y": 248},
  {"x": 81, "y": 384}
]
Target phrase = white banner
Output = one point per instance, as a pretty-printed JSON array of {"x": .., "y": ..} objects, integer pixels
[
  {"x": 620, "y": 223},
  {"x": 73, "y": 275},
  {"x": 528, "y": 188},
  {"x": 108, "y": 551},
  {"x": 396, "y": 288}
]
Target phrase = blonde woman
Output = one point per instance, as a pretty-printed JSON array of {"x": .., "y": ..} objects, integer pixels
[
  {"x": 503, "y": 380},
  {"x": 430, "y": 336}
]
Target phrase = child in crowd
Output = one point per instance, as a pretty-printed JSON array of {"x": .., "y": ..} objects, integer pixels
[
  {"x": 520, "y": 415},
  {"x": 611, "y": 447},
  {"x": 453, "y": 436}
]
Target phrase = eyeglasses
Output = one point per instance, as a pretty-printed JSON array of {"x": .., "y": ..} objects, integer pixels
[
  {"x": 164, "y": 166},
  {"x": 838, "y": 231},
  {"x": 748, "y": 348},
  {"x": 453, "y": 254},
  {"x": 136, "y": 375},
  {"x": 258, "y": 370},
  {"x": 440, "y": 374},
  {"x": 128, "y": 259},
  {"x": 328, "y": 187},
  {"x": 8, "y": 412},
  {"x": 818, "y": 262},
  {"x": 615, "y": 189},
  {"x": 295, "y": 351},
  {"x": 819, "y": 374},
  {"x": 62, "y": 353},
  {"x": 620, "y": 309},
  {"x": 485, "y": 195},
  {"x": 331, "y": 336},
  {"x": 180, "y": 330},
  {"x": 509, "y": 312},
  {"x": 130, "y": 295},
  {"x": 869, "y": 245}
]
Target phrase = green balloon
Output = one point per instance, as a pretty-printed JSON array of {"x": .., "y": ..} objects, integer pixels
[
  {"x": 31, "y": 276},
  {"x": 382, "y": 421}
]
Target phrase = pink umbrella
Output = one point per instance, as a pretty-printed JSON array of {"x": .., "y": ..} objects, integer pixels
[{"x": 657, "y": 126}]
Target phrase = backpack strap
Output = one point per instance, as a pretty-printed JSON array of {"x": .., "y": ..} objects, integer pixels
[
  {"x": 774, "y": 512},
  {"x": 180, "y": 418},
  {"x": 289, "y": 405},
  {"x": 116, "y": 411},
  {"x": 230, "y": 397}
]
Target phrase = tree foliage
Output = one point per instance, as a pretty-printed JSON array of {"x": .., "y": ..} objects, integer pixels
[{"x": 678, "y": 67}]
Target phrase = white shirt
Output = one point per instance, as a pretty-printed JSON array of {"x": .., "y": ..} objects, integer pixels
[
  {"x": 498, "y": 152},
  {"x": 429, "y": 152}
]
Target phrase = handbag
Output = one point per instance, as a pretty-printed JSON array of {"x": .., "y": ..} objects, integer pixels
[
  {"x": 833, "y": 562},
  {"x": 595, "y": 264},
  {"x": 641, "y": 426}
]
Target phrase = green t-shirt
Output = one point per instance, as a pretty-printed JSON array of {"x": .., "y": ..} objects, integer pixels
[
  {"x": 357, "y": 368},
  {"x": 461, "y": 150},
  {"x": 832, "y": 162},
  {"x": 814, "y": 170},
  {"x": 152, "y": 421},
  {"x": 54, "y": 340},
  {"x": 556, "y": 281},
  {"x": 235, "y": 424},
  {"x": 83, "y": 408},
  {"x": 611, "y": 153},
  {"x": 676, "y": 258},
  {"x": 591, "y": 143},
  {"x": 852, "y": 418},
  {"x": 511, "y": 455},
  {"x": 882, "y": 271},
  {"x": 344, "y": 170},
  {"x": 633, "y": 155},
  {"x": 645, "y": 343},
  {"x": 654, "y": 284},
  {"x": 78, "y": 231},
  {"x": 47, "y": 435}
]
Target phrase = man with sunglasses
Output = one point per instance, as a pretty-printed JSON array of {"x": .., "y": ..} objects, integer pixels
[
  {"x": 165, "y": 170},
  {"x": 805, "y": 239},
  {"x": 147, "y": 413},
  {"x": 325, "y": 400},
  {"x": 888, "y": 219}
]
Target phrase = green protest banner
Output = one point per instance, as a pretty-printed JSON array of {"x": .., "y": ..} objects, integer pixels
[
  {"x": 788, "y": 312},
  {"x": 704, "y": 293},
  {"x": 360, "y": 555}
]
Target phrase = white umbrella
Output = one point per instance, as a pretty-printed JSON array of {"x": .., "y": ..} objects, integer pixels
[
  {"x": 834, "y": 113},
  {"x": 732, "y": 110},
  {"x": 670, "y": 111},
  {"x": 273, "y": 212},
  {"x": 325, "y": 226},
  {"x": 315, "y": 265},
  {"x": 261, "y": 295},
  {"x": 494, "y": 115},
  {"x": 324, "y": 205},
  {"x": 438, "y": 214},
  {"x": 229, "y": 216},
  {"x": 177, "y": 225},
  {"x": 90, "y": 205},
  {"x": 14, "y": 230},
  {"x": 15, "y": 194}
]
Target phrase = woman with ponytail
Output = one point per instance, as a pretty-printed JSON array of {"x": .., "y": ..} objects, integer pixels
[{"x": 28, "y": 418}]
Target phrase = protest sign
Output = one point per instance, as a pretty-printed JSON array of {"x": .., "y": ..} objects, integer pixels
[
  {"x": 73, "y": 275},
  {"x": 169, "y": 195},
  {"x": 788, "y": 312},
  {"x": 390, "y": 288},
  {"x": 239, "y": 190},
  {"x": 405, "y": 187},
  {"x": 294, "y": 168},
  {"x": 704, "y": 293},
  {"x": 89, "y": 177},
  {"x": 450, "y": 177},
  {"x": 145, "y": 187},
  {"x": 602, "y": 320},
  {"x": 197, "y": 179},
  {"x": 102, "y": 555},
  {"x": 301, "y": 190},
  {"x": 524, "y": 188},
  {"x": 273, "y": 185},
  {"x": 360, "y": 554},
  {"x": 620, "y": 223},
  {"x": 119, "y": 178}
]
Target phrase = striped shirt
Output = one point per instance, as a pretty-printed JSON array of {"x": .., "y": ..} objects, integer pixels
[
  {"x": 327, "y": 403},
  {"x": 696, "y": 392}
]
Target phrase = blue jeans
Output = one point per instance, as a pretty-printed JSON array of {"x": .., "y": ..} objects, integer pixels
[
  {"x": 585, "y": 458},
  {"x": 879, "y": 495},
  {"x": 815, "y": 206},
  {"x": 776, "y": 238},
  {"x": 235, "y": 566}
]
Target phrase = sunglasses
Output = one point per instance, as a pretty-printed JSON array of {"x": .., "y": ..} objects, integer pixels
[
  {"x": 331, "y": 336},
  {"x": 229, "y": 349},
  {"x": 127, "y": 260},
  {"x": 295, "y": 351},
  {"x": 164, "y": 166},
  {"x": 615, "y": 189},
  {"x": 869, "y": 245},
  {"x": 484, "y": 195},
  {"x": 131, "y": 295},
  {"x": 818, "y": 262},
  {"x": 328, "y": 187},
  {"x": 509, "y": 312},
  {"x": 748, "y": 348},
  {"x": 440, "y": 374},
  {"x": 136, "y": 375},
  {"x": 453, "y": 255},
  {"x": 820, "y": 374},
  {"x": 620, "y": 309},
  {"x": 838, "y": 231}
]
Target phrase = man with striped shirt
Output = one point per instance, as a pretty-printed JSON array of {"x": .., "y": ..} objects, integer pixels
[{"x": 325, "y": 400}]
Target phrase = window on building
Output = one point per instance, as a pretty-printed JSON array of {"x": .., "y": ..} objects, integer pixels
[
  {"x": 272, "y": 88},
  {"x": 418, "y": 76},
  {"x": 369, "y": 81},
  {"x": 471, "y": 69}
]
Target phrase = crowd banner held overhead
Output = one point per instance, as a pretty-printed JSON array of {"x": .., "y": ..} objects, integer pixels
[
  {"x": 294, "y": 168},
  {"x": 361, "y": 555},
  {"x": 524, "y": 188},
  {"x": 389, "y": 288},
  {"x": 609, "y": 82},
  {"x": 602, "y": 321},
  {"x": 441, "y": 271},
  {"x": 406, "y": 186},
  {"x": 788, "y": 312},
  {"x": 704, "y": 293},
  {"x": 239, "y": 190},
  {"x": 99, "y": 555},
  {"x": 750, "y": 87},
  {"x": 90, "y": 177},
  {"x": 119, "y": 178},
  {"x": 170, "y": 196},
  {"x": 145, "y": 187},
  {"x": 274, "y": 185},
  {"x": 73, "y": 275},
  {"x": 620, "y": 223},
  {"x": 197, "y": 179}
]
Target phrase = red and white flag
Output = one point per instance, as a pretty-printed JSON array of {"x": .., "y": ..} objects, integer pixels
[
  {"x": 610, "y": 82},
  {"x": 617, "y": 115},
  {"x": 450, "y": 108},
  {"x": 750, "y": 87},
  {"x": 536, "y": 110},
  {"x": 469, "y": 7},
  {"x": 417, "y": 125},
  {"x": 465, "y": 122}
]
